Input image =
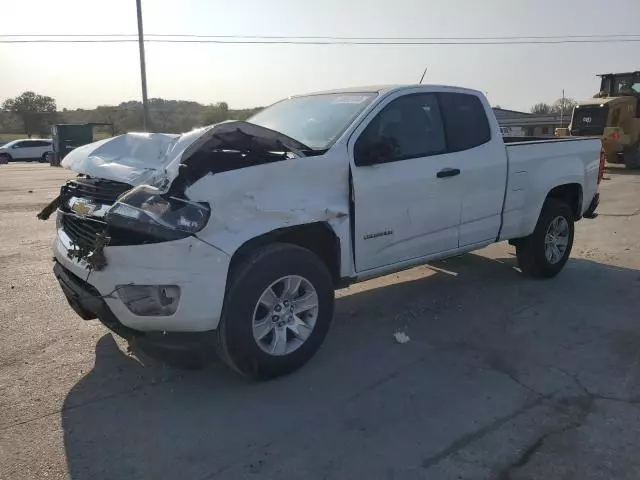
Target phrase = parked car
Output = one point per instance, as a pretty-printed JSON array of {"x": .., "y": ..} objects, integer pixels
[
  {"x": 26, "y": 149},
  {"x": 239, "y": 233}
]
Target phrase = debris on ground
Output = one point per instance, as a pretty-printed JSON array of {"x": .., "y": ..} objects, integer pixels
[{"x": 401, "y": 337}]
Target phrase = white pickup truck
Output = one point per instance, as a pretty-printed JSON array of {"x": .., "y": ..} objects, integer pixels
[{"x": 239, "y": 233}]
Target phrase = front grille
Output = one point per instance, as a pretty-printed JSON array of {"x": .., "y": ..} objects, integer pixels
[
  {"x": 589, "y": 120},
  {"x": 82, "y": 232},
  {"x": 102, "y": 191}
]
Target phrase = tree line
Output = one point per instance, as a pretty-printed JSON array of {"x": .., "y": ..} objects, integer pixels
[
  {"x": 561, "y": 106},
  {"x": 34, "y": 114}
]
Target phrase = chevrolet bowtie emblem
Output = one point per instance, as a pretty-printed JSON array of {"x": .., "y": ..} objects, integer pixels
[{"x": 83, "y": 207}]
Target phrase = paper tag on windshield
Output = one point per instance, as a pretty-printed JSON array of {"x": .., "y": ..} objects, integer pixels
[{"x": 350, "y": 99}]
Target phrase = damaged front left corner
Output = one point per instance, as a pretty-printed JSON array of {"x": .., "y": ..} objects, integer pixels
[{"x": 94, "y": 256}]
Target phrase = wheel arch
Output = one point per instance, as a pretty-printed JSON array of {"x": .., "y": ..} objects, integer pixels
[
  {"x": 571, "y": 194},
  {"x": 318, "y": 237}
]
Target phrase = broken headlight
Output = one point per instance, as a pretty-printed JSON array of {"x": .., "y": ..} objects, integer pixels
[{"x": 147, "y": 210}]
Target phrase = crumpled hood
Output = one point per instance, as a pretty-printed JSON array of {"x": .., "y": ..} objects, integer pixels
[{"x": 154, "y": 158}]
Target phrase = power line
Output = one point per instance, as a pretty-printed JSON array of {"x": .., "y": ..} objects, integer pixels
[
  {"x": 331, "y": 42},
  {"x": 320, "y": 37}
]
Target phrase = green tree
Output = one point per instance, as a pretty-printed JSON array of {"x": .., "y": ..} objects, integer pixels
[
  {"x": 37, "y": 112},
  {"x": 216, "y": 113},
  {"x": 563, "y": 106},
  {"x": 541, "y": 109}
]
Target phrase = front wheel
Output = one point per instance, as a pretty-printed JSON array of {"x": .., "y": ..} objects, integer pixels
[
  {"x": 277, "y": 311},
  {"x": 544, "y": 253}
]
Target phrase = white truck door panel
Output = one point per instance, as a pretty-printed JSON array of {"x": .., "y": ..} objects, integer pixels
[
  {"x": 478, "y": 151},
  {"x": 484, "y": 173},
  {"x": 404, "y": 209}
]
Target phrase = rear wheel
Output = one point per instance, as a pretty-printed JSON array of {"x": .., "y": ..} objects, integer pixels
[
  {"x": 277, "y": 311},
  {"x": 544, "y": 253}
]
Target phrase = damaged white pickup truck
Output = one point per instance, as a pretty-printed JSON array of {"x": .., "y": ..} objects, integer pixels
[{"x": 239, "y": 233}]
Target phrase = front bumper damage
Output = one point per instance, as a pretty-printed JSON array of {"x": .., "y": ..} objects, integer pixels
[
  {"x": 87, "y": 302},
  {"x": 197, "y": 268}
]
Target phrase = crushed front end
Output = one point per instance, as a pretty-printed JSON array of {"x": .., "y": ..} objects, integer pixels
[{"x": 139, "y": 276}]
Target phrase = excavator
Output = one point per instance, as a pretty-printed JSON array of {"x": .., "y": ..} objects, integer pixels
[{"x": 613, "y": 114}]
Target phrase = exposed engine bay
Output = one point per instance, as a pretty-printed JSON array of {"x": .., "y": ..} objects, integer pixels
[{"x": 98, "y": 209}]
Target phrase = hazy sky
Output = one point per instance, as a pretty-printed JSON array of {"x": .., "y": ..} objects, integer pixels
[{"x": 514, "y": 76}]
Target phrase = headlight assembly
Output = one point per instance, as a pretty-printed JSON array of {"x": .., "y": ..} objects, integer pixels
[{"x": 147, "y": 210}]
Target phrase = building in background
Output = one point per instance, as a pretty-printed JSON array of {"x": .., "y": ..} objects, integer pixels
[{"x": 532, "y": 124}]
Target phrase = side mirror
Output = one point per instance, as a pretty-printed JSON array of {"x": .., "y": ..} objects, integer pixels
[{"x": 373, "y": 153}]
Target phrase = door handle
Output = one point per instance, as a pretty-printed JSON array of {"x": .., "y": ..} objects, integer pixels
[{"x": 448, "y": 172}]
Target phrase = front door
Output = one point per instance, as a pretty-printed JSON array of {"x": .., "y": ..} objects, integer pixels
[
  {"x": 22, "y": 150},
  {"x": 406, "y": 188}
]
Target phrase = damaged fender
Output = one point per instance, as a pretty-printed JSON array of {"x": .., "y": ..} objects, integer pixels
[{"x": 247, "y": 203}]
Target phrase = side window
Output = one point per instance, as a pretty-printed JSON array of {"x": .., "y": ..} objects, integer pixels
[
  {"x": 465, "y": 121},
  {"x": 23, "y": 144},
  {"x": 408, "y": 127},
  {"x": 41, "y": 143}
]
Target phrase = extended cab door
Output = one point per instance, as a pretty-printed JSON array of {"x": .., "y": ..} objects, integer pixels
[
  {"x": 407, "y": 190},
  {"x": 477, "y": 149}
]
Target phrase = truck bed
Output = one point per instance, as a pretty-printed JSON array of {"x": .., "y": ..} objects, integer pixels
[{"x": 535, "y": 167}]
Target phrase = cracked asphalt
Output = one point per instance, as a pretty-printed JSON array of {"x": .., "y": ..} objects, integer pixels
[{"x": 504, "y": 377}]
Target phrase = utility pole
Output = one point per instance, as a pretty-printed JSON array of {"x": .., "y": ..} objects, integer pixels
[
  {"x": 562, "y": 110},
  {"x": 143, "y": 70}
]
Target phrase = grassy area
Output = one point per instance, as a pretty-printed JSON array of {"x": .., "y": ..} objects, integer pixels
[
  {"x": 101, "y": 135},
  {"x": 8, "y": 137}
]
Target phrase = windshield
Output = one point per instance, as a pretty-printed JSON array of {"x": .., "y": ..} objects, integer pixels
[
  {"x": 622, "y": 84},
  {"x": 315, "y": 120}
]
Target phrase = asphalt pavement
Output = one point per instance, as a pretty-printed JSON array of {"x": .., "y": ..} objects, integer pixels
[{"x": 503, "y": 377}]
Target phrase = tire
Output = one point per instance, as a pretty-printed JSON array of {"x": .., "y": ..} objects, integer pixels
[
  {"x": 238, "y": 346},
  {"x": 43, "y": 158},
  {"x": 532, "y": 252},
  {"x": 5, "y": 158}
]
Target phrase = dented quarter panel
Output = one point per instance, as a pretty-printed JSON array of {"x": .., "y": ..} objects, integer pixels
[{"x": 249, "y": 202}]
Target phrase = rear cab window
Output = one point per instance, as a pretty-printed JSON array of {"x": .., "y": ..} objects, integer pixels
[{"x": 465, "y": 120}]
